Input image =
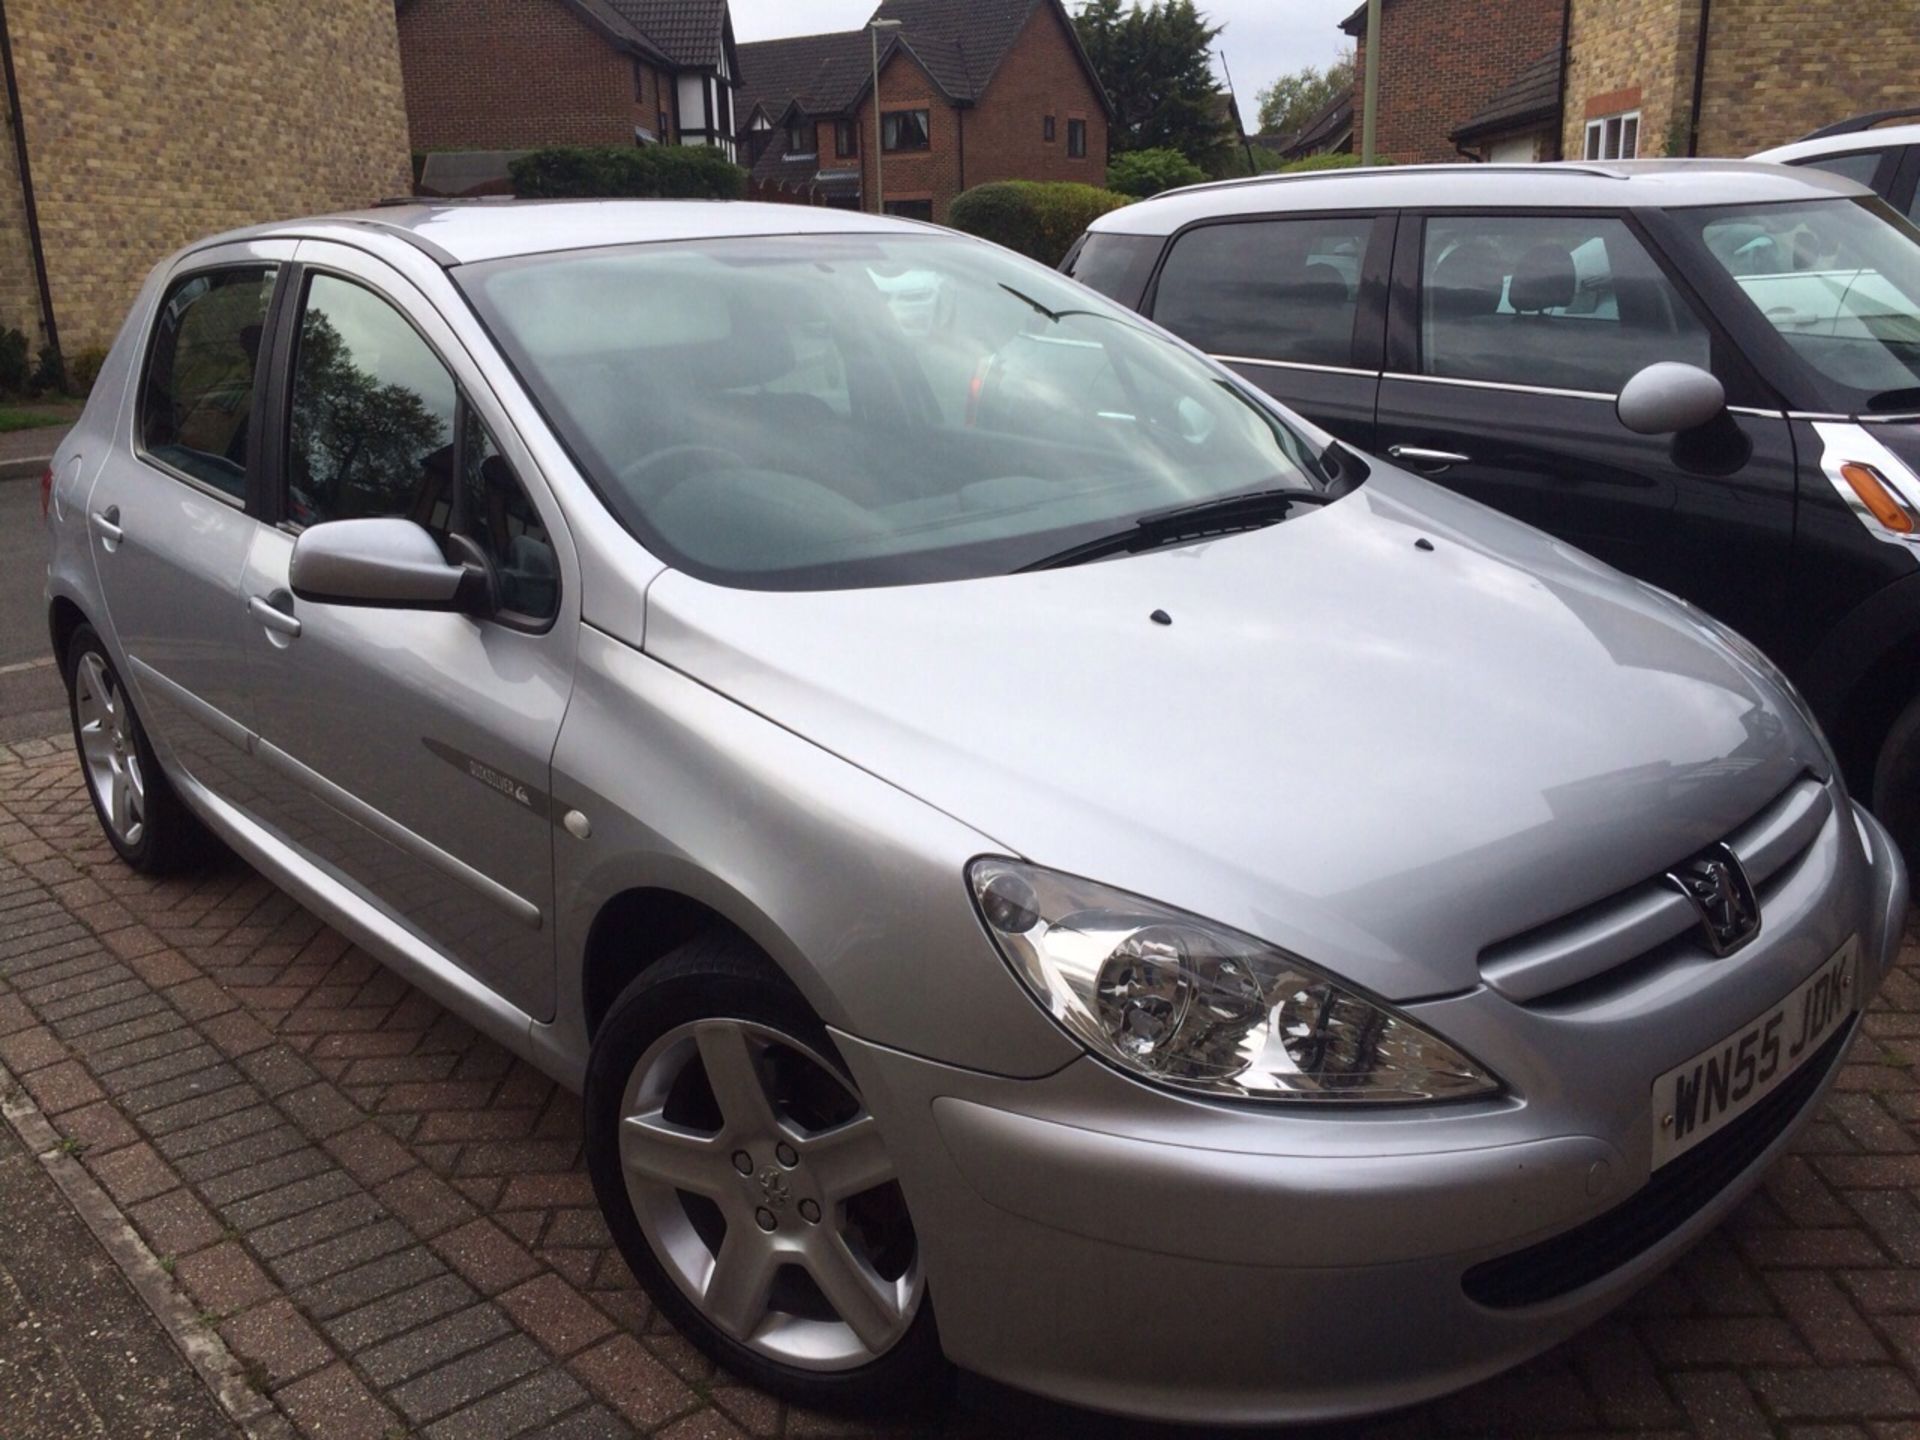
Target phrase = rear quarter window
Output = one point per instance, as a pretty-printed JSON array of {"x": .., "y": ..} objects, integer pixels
[
  {"x": 1116, "y": 265},
  {"x": 1284, "y": 290}
]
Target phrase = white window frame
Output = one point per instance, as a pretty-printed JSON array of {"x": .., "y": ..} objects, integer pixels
[{"x": 1606, "y": 132}]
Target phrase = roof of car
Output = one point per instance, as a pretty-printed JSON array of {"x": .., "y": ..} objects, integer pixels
[
  {"x": 1885, "y": 138},
  {"x": 1615, "y": 184},
  {"x": 462, "y": 233}
]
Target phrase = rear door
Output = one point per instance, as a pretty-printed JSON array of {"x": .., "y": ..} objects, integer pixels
[
  {"x": 1296, "y": 304},
  {"x": 167, "y": 513},
  {"x": 409, "y": 751},
  {"x": 1511, "y": 336}
]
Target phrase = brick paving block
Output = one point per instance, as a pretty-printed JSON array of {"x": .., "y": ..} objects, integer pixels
[
  {"x": 242, "y": 1154},
  {"x": 753, "y": 1411},
  {"x": 633, "y": 1382},
  {"x": 14, "y": 1015},
  {"x": 217, "y": 1076},
  {"x": 275, "y": 1336},
  {"x": 64, "y": 1085},
  {"x": 462, "y": 1381},
  {"x": 428, "y": 1346},
  {"x": 176, "y": 1223},
  {"x": 227, "y": 1128},
  {"x": 547, "y": 1192},
  {"x": 98, "y": 1127},
  {"x": 285, "y": 1201},
  {"x": 224, "y": 1279},
  {"x": 1894, "y": 1220},
  {"x": 595, "y": 1422},
  {"x": 337, "y": 1217},
  {"x": 29, "y": 1049},
  {"x": 277, "y": 1070},
  {"x": 363, "y": 1284},
  {"x": 372, "y": 1155},
  {"x": 486, "y": 1255},
  {"x": 132, "y": 1173},
  {"x": 425, "y": 1202},
  {"x": 419, "y": 1303},
  {"x": 236, "y": 1033},
  {"x": 1838, "y": 1392},
  {"x": 535, "y": 1401},
  {"x": 1811, "y": 1249},
  {"x": 321, "y": 1110},
  {"x": 237, "y": 1185},
  {"x": 1826, "y": 1318},
  {"x": 555, "y": 1314},
  {"x": 334, "y": 1405},
  {"x": 199, "y": 1109},
  {"x": 340, "y": 1253}
]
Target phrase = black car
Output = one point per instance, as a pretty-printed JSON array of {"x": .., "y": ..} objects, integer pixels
[{"x": 1706, "y": 373}]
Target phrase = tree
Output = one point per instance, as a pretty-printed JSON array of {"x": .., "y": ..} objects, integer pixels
[
  {"x": 1156, "y": 65},
  {"x": 1292, "y": 100}
]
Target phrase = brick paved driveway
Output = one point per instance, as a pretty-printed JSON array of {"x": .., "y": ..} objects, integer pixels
[{"x": 386, "y": 1218}]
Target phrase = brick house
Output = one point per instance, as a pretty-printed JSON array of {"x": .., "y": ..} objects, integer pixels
[
  {"x": 1760, "y": 73},
  {"x": 970, "y": 91},
  {"x": 503, "y": 76},
  {"x": 294, "y": 110}
]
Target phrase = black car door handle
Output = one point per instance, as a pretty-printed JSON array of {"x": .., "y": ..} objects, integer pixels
[{"x": 1422, "y": 458}]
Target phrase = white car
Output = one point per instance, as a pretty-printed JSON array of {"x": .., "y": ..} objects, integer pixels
[{"x": 1867, "y": 149}]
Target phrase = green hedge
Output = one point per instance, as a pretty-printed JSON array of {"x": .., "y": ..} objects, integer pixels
[
  {"x": 1320, "y": 162},
  {"x": 1141, "y": 173},
  {"x": 581, "y": 172},
  {"x": 1040, "y": 219}
]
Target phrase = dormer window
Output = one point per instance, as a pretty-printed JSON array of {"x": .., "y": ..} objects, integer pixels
[{"x": 800, "y": 138}]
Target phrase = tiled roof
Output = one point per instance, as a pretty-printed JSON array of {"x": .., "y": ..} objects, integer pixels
[
  {"x": 687, "y": 32},
  {"x": 1533, "y": 97},
  {"x": 1323, "y": 130},
  {"x": 960, "y": 43}
]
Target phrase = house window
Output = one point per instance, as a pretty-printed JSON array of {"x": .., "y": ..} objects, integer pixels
[
  {"x": 800, "y": 139},
  {"x": 1076, "y": 139},
  {"x": 911, "y": 209},
  {"x": 1614, "y": 137},
  {"x": 1046, "y": 129},
  {"x": 846, "y": 138},
  {"x": 639, "y": 81},
  {"x": 904, "y": 130}
]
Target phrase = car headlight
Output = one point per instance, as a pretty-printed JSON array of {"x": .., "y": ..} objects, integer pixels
[{"x": 1199, "y": 1007}]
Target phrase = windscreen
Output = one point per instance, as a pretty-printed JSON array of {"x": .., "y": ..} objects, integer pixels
[
  {"x": 814, "y": 412},
  {"x": 1839, "y": 280}
]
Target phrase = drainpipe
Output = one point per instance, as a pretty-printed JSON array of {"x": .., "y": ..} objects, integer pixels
[
  {"x": 1699, "y": 77},
  {"x": 1566, "y": 65},
  {"x": 15, "y": 119}
]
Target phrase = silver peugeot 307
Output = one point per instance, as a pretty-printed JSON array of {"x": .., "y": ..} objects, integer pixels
[{"x": 1002, "y": 823}]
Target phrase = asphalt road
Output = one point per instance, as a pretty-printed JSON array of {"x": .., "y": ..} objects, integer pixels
[
  {"x": 33, "y": 703},
  {"x": 80, "y": 1353}
]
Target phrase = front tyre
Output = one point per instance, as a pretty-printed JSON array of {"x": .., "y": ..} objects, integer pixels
[
  {"x": 749, "y": 1188},
  {"x": 1895, "y": 800},
  {"x": 144, "y": 819}
]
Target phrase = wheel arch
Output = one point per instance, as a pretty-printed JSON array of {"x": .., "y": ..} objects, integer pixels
[
  {"x": 1866, "y": 672},
  {"x": 64, "y": 617}
]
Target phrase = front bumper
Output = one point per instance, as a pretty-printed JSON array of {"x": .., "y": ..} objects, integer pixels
[{"x": 1097, "y": 1241}]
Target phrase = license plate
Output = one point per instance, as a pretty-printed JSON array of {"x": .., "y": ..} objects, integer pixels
[{"x": 1715, "y": 1087}]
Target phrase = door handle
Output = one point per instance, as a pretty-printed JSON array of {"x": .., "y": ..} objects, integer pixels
[
  {"x": 106, "y": 524},
  {"x": 1425, "y": 459},
  {"x": 272, "y": 616}
]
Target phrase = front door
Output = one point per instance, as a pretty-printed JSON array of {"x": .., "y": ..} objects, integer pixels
[
  {"x": 167, "y": 512},
  {"x": 1295, "y": 305},
  {"x": 1511, "y": 337},
  {"x": 409, "y": 751}
]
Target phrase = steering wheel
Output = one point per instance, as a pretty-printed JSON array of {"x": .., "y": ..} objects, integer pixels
[{"x": 661, "y": 471}]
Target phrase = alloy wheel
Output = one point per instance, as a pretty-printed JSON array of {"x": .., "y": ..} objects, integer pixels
[
  {"x": 109, "y": 748},
  {"x": 764, "y": 1189}
]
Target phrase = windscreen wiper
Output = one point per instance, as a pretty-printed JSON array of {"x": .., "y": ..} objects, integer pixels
[{"x": 1222, "y": 515}]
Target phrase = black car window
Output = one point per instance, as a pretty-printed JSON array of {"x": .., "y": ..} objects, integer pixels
[
  {"x": 198, "y": 395},
  {"x": 1860, "y": 165},
  {"x": 372, "y": 422},
  {"x": 1116, "y": 265},
  {"x": 502, "y": 521},
  {"x": 1559, "y": 302},
  {"x": 1267, "y": 289}
]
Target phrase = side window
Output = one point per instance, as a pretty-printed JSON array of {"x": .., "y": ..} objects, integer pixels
[
  {"x": 1861, "y": 165},
  {"x": 372, "y": 422},
  {"x": 198, "y": 394},
  {"x": 1562, "y": 302},
  {"x": 1267, "y": 289},
  {"x": 502, "y": 521}
]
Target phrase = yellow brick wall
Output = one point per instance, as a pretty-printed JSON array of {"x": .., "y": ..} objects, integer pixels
[
  {"x": 1779, "y": 68},
  {"x": 1776, "y": 69},
  {"x": 19, "y": 297},
  {"x": 151, "y": 123}
]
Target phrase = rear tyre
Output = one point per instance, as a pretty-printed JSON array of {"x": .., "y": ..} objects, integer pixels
[
  {"x": 750, "y": 1189},
  {"x": 143, "y": 817},
  {"x": 1896, "y": 784}
]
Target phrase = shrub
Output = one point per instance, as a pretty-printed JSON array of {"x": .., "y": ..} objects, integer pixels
[
  {"x": 14, "y": 370},
  {"x": 1321, "y": 162},
  {"x": 680, "y": 172},
  {"x": 1140, "y": 173},
  {"x": 1039, "y": 219},
  {"x": 49, "y": 374},
  {"x": 84, "y": 368}
]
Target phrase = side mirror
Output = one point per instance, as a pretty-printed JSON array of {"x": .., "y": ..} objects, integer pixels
[
  {"x": 1670, "y": 399},
  {"x": 386, "y": 564}
]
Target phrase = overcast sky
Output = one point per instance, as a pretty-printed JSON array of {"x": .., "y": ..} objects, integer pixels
[{"x": 1262, "y": 38}]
